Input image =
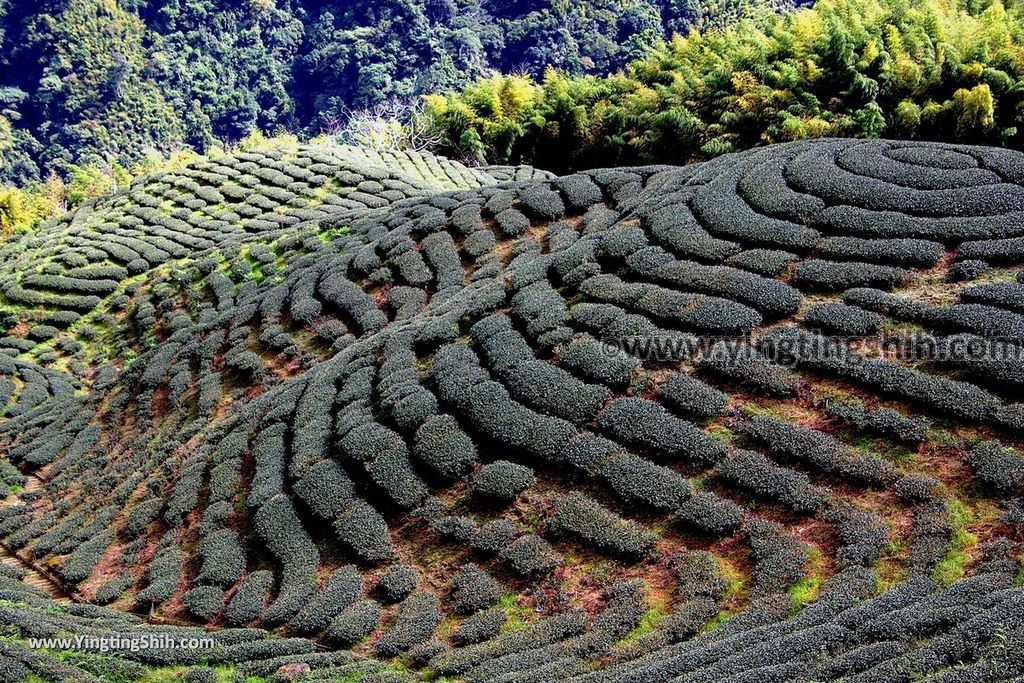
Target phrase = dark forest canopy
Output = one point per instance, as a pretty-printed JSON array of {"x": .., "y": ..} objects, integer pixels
[{"x": 81, "y": 79}]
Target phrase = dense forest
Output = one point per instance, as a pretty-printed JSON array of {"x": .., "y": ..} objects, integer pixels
[
  {"x": 95, "y": 92},
  {"x": 934, "y": 70},
  {"x": 107, "y": 79}
]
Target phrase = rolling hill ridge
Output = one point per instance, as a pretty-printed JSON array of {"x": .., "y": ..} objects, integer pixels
[{"x": 394, "y": 418}]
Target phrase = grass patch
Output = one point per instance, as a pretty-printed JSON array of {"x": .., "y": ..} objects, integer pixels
[
  {"x": 518, "y": 616},
  {"x": 807, "y": 589},
  {"x": 754, "y": 409},
  {"x": 951, "y": 568},
  {"x": 722, "y": 433},
  {"x": 648, "y": 621},
  {"x": 891, "y": 570},
  {"x": 735, "y": 581},
  {"x": 717, "y": 622},
  {"x": 332, "y": 233}
]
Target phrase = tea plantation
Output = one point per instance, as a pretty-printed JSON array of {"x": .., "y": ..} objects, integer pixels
[{"x": 361, "y": 416}]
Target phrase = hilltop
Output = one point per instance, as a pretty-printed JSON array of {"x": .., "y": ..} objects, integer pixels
[{"x": 395, "y": 419}]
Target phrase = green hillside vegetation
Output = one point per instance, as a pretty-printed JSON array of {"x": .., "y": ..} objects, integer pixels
[
  {"x": 109, "y": 79},
  {"x": 941, "y": 70},
  {"x": 94, "y": 92},
  {"x": 693, "y": 360},
  {"x": 381, "y": 415},
  {"x": 944, "y": 70}
]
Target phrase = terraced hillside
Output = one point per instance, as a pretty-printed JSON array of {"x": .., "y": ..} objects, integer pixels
[{"x": 386, "y": 418}]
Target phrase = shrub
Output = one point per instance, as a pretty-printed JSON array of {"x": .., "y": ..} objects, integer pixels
[
  {"x": 407, "y": 402},
  {"x": 494, "y": 536},
  {"x": 819, "y": 275},
  {"x": 817, "y": 449},
  {"x": 556, "y": 628},
  {"x": 772, "y": 298},
  {"x": 779, "y": 560},
  {"x": 1011, "y": 416},
  {"x": 859, "y": 659},
  {"x": 480, "y": 627},
  {"x": 723, "y": 211},
  {"x": 326, "y": 489},
  {"x": 268, "y": 455},
  {"x": 843, "y": 320},
  {"x": 397, "y": 582},
  {"x": 541, "y": 201},
  {"x": 917, "y": 488},
  {"x": 502, "y": 480},
  {"x": 699, "y": 576},
  {"x": 624, "y": 242},
  {"x": 442, "y": 445},
  {"x": 142, "y": 515},
  {"x": 599, "y": 362},
  {"x": 899, "y": 307},
  {"x": 687, "y": 395},
  {"x": 339, "y": 592},
  {"x": 648, "y": 426},
  {"x": 959, "y": 399},
  {"x": 369, "y": 440},
  {"x": 204, "y": 601},
  {"x": 491, "y": 411},
  {"x": 766, "y": 262},
  {"x": 579, "y": 190},
  {"x": 529, "y": 555},
  {"x": 278, "y": 526},
  {"x": 454, "y": 527},
  {"x": 997, "y": 466},
  {"x": 743, "y": 364},
  {"x": 578, "y": 515},
  {"x": 466, "y": 219},
  {"x": 862, "y": 535},
  {"x": 710, "y": 514},
  {"x": 1009, "y": 295},
  {"x": 695, "y": 312},
  {"x": 985, "y": 321},
  {"x": 202, "y": 674},
  {"x": 968, "y": 269},
  {"x": 554, "y": 391},
  {"x": 417, "y": 617},
  {"x": 882, "y": 421},
  {"x": 512, "y": 223},
  {"x": 248, "y": 601},
  {"x": 114, "y": 588},
  {"x": 755, "y": 473},
  {"x": 473, "y": 589},
  {"x": 80, "y": 564},
  {"x": 676, "y": 228},
  {"x": 907, "y": 253},
  {"x": 355, "y": 622},
  {"x": 164, "y": 574},
  {"x": 541, "y": 306},
  {"x": 365, "y": 531},
  {"x": 185, "y": 497},
  {"x": 479, "y": 243},
  {"x": 42, "y": 333},
  {"x": 393, "y": 472},
  {"x": 223, "y": 558},
  {"x": 639, "y": 481},
  {"x": 350, "y": 298},
  {"x": 997, "y": 251}
]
